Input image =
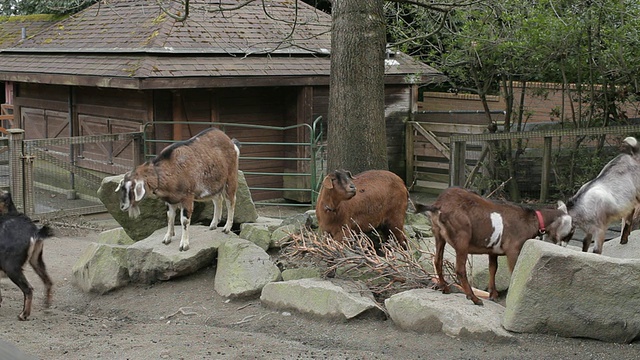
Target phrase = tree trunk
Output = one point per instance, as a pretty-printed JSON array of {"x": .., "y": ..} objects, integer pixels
[{"x": 356, "y": 125}]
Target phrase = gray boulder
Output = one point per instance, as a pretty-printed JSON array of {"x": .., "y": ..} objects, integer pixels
[
  {"x": 243, "y": 269},
  {"x": 630, "y": 250},
  {"x": 570, "y": 293},
  {"x": 150, "y": 260},
  {"x": 431, "y": 311},
  {"x": 257, "y": 233},
  {"x": 153, "y": 212},
  {"x": 116, "y": 236},
  {"x": 320, "y": 298},
  {"x": 101, "y": 268}
]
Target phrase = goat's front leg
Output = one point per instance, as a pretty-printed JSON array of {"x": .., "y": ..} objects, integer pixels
[
  {"x": 171, "y": 219},
  {"x": 185, "y": 220},
  {"x": 597, "y": 246},
  {"x": 19, "y": 279},
  {"x": 586, "y": 242},
  {"x": 493, "y": 268}
]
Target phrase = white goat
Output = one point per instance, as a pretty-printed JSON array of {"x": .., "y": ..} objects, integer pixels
[
  {"x": 202, "y": 168},
  {"x": 612, "y": 195}
]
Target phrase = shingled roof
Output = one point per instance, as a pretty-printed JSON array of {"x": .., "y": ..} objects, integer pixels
[{"x": 134, "y": 44}]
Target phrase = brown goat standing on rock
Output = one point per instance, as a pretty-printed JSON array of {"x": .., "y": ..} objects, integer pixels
[
  {"x": 369, "y": 200},
  {"x": 472, "y": 224},
  {"x": 202, "y": 168}
]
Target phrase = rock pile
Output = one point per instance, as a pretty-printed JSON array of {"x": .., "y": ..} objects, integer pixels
[{"x": 553, "y": 290}]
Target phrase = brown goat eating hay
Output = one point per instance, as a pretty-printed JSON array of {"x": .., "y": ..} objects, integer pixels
[
  {"x": 364, "y": 202},
  {"x": 472, "y": 224}
]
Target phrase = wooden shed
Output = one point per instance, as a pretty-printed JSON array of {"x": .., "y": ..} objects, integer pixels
[{"x": 120, "y": 65}]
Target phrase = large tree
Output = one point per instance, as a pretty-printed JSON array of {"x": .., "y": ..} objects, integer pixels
[{"x": 356, "y": 134}]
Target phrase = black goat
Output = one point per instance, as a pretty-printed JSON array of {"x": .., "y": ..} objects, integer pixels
[{"x": 21, "y": 241}]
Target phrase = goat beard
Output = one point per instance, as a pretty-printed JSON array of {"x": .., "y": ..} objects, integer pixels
[{"x": 134, "y": 211}]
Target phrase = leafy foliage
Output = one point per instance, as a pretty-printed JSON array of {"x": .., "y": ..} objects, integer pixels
[{"x": 56, "y": 7}]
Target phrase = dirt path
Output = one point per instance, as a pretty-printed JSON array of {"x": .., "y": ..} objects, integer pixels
[{"x": 186, "y": 319}]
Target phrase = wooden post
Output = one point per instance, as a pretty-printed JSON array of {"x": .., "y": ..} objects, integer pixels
[
  {"x": 457, "y": 163},
  {"x": 546, "y": 169},
  {"x": 16, "y": 170},
  {"x": 409, "y": 155}
]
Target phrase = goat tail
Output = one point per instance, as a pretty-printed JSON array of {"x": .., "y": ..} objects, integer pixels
[
  {"x": 44, "y": 232},
  {"x": 420, "y": 208},
  {"x": 237, "y": 145}
]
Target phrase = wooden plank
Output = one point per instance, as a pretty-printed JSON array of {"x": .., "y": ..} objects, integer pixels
[
  {"x": 433, "y": 140},
  {"x": 453, "y": 128},
  {"x": 432, "y": 184},
  {"x": 432, "y": 164}
]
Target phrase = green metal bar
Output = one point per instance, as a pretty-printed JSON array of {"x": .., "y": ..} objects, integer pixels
[
  {"x": 276, "y": 174},
  {"x": 546, "y": 133}
]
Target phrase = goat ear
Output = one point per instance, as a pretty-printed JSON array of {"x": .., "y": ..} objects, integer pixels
[
  {"x": 562, "y": 206},
  {"x": 326, "y": 183},
  {"x": 138, "y": 190}
]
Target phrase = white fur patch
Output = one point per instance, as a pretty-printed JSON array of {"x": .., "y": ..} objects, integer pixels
[
  {"x": 496, "y": 237},
  {"x": 564, "y": 229},
  {"x": 631, "y": 141}
]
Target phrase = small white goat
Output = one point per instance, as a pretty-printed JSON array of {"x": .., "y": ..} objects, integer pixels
[
  {"x": 202, "y": 168},
  {"x": 612, "y": 195}
]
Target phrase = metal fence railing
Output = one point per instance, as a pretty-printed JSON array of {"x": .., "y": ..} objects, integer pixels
[{"x": 296, "y": 149}]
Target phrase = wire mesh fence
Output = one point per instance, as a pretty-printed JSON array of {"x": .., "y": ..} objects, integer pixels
[
  {"x": 61, "y": 176},
  {"x": 535, "y": 165}
]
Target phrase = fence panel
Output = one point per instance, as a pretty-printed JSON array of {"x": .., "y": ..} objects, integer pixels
[
  {"x": 287, "y": 164},
  {"x": 534, "y": 165},
  {"x": 57, "y": 179}
]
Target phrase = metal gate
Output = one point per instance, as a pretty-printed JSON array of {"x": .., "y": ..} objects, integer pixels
[
  {"x": 60, "y": 177},
  {"x": 291, "y": 168}
]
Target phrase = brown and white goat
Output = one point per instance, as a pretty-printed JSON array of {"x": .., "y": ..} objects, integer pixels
[
  {"x": 472, "y": 224},
  {"x": 22, "y": 241},
  {"x": 612, "y": 195},
  {"x": 202, "y": 168},
  {"x": 369, "y": 200}
]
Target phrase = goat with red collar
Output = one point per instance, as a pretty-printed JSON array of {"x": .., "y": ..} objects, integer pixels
[{"x": 472, "y": 224}]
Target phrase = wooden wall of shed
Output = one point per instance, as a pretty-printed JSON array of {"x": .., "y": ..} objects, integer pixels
[
  {"x": 248, "y": 106},
  {"x": 43, "y": 112}
]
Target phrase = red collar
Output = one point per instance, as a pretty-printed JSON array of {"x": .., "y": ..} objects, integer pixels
[{"x": 541, "y": 222}]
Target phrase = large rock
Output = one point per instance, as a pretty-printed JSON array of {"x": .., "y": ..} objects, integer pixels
[
  {"x": 101, "y": 268},
  {"x": 630, "y": 250},
  {"x": 243, "y": 269},
  {"x": 153, "y": 212},
  {"x": 320, "y": 298},
  {"x": 564, "y": 292},
  {"x": 431, "y": 311},
  {"x": 150, "y": 260},
  {"x": 108, "y": 265}
]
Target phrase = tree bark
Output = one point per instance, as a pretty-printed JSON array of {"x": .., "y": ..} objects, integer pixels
[{"x": 356, "y": 124}]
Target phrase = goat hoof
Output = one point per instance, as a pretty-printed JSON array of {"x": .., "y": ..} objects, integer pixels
[
  {"x": 166, "y": 242},
  {"x": 477, "y": 301},
  {"x": 22, "y": 317},
  {"x": 184, "y": 248}
]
